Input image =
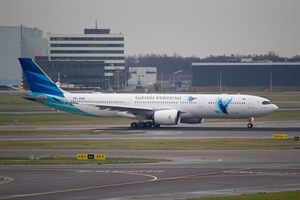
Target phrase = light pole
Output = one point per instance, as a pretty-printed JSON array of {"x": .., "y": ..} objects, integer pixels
[
  {"x": 178, "y": 81},
  {"x": 220, "y": 81},
  {"x": 271, "y": 82},
  {"x": 117, "y": 73}
]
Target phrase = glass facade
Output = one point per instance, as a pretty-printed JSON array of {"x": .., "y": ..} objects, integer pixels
[
  {"x": 88, "y": 51},
  {"x": 82, "y": 74},
  {"x": 87, "y": 45},
  {"x": 85, "y": 58},
  {"x": 87, "y": 38}
]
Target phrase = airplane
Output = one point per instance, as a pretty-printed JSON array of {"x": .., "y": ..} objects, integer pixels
[{"x": 149, "y": 110}]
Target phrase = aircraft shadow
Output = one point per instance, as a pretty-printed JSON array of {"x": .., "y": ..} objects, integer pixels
[{"x": 207, "y": 129}]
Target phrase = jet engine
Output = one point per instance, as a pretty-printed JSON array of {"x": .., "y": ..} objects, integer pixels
[{"x": 167, "y": 117}]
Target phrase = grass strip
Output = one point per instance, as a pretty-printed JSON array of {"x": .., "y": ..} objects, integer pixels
[
  {"x": 157, "y": 144},
  {"x": 72, "y": 161},
  {"x": 278, "y": 96},
  {"x": 16, "y": 102},
  {"x": 70, "y": 133},
  {"x": 57, "y": 119},
  {"x": 291, "y": 195}
]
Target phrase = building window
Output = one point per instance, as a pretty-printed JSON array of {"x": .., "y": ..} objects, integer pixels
[
  {"x": 86, "y": 58},
  {"x": 87, "y": 38},
  {"x": 87, "y": 51},
  {"x": 86, "y": 45}
]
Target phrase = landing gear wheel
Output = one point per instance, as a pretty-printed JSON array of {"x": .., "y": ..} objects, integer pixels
[
  {"x": 142, "y": 125},
  {"x": 155, "y": 125},
  {"x": 249, "y": 125},
  {"x": 149, "y": 124},
  {"x": 250, "y": 120},
  {"x": 134, "y": 125}
]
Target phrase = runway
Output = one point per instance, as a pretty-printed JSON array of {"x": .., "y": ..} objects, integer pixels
[
  {"x": 261, "y": 130},
  {"x": 186, "y": 174},
  {"x": 189, "y": 174}
]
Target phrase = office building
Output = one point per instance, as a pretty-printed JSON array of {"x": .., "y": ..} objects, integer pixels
[
  {"x": 74, "y": 74},
  {"x": 95, "y": 45},
  {"x": 142, "y": 76},
  {"x": 15, "y": 42},
  {"x": 261, "y": 74}
]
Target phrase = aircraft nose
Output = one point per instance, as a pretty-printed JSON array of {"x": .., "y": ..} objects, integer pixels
[{"x": 274, "y": 108}]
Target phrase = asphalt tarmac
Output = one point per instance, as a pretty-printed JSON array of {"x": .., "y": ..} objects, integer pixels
[
  {"x": 182, "y": 131},
  {"x": 189, "y": 174}
]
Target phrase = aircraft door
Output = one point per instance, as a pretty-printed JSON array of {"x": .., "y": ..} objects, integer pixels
[
  {"x": 200, "y": 102},
  {"x": 250, "y": 102}
]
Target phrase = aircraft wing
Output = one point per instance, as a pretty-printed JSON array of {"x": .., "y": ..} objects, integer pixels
[
  {"x": 135, "y": 110},
  {"x": 129, "y": 109}
]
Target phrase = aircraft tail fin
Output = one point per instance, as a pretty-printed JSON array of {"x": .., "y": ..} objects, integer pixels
[{"x": 37, "y": 79}]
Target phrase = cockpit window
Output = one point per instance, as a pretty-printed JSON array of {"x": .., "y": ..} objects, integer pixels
[{"x": 266, "y": 102}]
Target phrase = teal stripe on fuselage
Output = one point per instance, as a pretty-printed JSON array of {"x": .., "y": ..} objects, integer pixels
[
  {"x": 64, "y": 106},
  {"x": 61, "y": 104}
]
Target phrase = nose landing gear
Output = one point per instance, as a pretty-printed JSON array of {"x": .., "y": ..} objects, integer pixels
[{"x": 250, "y": 120}]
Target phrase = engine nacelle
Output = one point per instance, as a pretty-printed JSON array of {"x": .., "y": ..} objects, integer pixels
[
  {"x": 167, "y": 117},
  {"x": 192, "y": 121}
]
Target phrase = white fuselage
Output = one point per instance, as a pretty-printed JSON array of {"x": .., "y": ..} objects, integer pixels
[{"x": 190, "y": 105}]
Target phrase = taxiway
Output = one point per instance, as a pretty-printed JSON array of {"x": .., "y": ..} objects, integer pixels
[
  {"x": 198, "y": 131},
  {"x": 189, "y": 174}
]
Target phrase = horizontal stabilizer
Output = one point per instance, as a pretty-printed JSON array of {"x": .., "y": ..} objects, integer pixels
[{"x": 40, "y": 98}]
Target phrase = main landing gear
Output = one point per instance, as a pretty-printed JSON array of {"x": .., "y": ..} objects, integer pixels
[
  {"x": 144, "y": 125},
  {"x": 250, "y": 120}
]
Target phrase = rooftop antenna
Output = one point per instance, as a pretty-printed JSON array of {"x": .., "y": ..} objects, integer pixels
[
  {"x": 58, "y": 80},
  {"x": 96, "y": 24}
]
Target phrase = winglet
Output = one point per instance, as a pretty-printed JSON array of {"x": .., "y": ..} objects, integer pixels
[{"x": 37, "y": 79}]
